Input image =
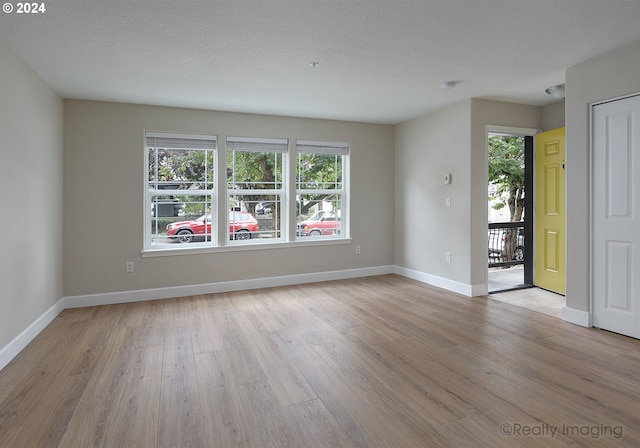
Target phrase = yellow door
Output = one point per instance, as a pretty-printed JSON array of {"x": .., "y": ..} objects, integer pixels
[{"x": 550, "y": 229}]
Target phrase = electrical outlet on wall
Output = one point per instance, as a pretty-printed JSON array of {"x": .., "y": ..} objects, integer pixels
[
  {"x": 447, "y": 256},
  {"x": 129, "y": 266}
]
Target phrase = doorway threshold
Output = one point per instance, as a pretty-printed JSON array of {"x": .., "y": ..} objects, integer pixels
[
  {"x": 534, "y": 299},
  {"x": 501, "y": 280}
]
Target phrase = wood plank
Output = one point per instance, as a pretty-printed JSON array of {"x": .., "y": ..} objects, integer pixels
[
  {"x": 288, "y": 385},
  {"x": 180, "y": 418},
  {"x": 90, "y": 424},
  {"x": 403, "y": 425},
  {"x": 379, "y": 357},
  {"x": 350, "y": 412},
  {"x": 222, "y": 417},
  {"x": 100, "y": 325},
  {"x": 266, "y": 422},
  {"x": 136, "y": 416},
  {"x": 246, "y": 368},
  {"x": 44, "y": 354},
  {"x": 607, "y": 404},
  {"x": 42, "y": 418},
  {"x": 270, "y": 314},
  {"x": 362, "y": 415},
  {"x": 153, "y": 323},
  {"x": 316, "y": 426},
  {"x": 206, "y": 324}
]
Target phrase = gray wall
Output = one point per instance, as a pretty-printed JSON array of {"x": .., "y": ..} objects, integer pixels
[
  {"x": 611, "y": 75},
  {"x": 427, "y": 148},
  {"x": 553, "y": 116},
  {"x": 31, "y": 141},
  {"x": 450, "y": 140},
  {"x": 104, "y": 184}
]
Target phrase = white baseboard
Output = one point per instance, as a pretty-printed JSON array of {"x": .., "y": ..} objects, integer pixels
[
  {"x": 444, "y": 283},
  {"x": 11, "y": 350},
  {"x": 20, "y": 342},
  {"x": 212, "y": 288},
  {"x": 577, "y": 317},
  {"x": 479, "y": 290}
]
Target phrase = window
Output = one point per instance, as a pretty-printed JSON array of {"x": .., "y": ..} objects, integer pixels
[
  {"x": 255, "y": 187},
  {"x": 320, "y": 189},
  {"x": 193, "y": 196},
  {"x": 180, "y": 188}
]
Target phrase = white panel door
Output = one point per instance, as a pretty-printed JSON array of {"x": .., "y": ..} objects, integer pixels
[{"x": 616, "y": 216}]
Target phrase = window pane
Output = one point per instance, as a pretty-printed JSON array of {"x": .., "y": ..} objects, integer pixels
[
  {"x": 242, "y": 224},
  {"x": 180, "y": 184},
  {"x": 255, "y": 187},
  {"x": 180, "y": 219},
  {"x": 319, "y": 171},
  {"x": 320, "y": 188},
  {"x": 319, "y": 215},
  {"x": 264, "y": 209},
  {"x": 259, "y": 170},
  {"x": 180, "y": 169}
]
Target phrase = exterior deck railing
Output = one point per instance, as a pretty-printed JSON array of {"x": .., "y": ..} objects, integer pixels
[{"x": 506, "y": 244}]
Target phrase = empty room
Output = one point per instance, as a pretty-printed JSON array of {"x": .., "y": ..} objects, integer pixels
[{"x": 270, "y": 223}]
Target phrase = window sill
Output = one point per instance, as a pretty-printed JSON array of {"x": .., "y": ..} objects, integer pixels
[{"x": 181, "y": 250}]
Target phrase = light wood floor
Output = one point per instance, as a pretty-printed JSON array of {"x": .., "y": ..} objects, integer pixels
[{"x": 374, "y": 362}]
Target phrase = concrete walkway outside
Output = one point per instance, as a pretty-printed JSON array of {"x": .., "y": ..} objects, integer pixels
[{"x": 505, "y": 279}]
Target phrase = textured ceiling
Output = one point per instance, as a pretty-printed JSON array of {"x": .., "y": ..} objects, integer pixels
[{"x": 379, "y": 60}]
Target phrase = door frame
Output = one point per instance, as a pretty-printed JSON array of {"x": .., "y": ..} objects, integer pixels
[{"x": 529, "y": 199}]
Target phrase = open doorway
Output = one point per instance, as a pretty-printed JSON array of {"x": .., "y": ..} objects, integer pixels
[{"x": 510, "y": 209}]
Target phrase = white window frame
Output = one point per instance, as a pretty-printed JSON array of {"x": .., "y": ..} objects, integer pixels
[
  {"x": 181, "y": 142},
  {"x": 328, "y": 148},
  {"x": 219, "y": 195},
  {"x": 269, "y": 145}
]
